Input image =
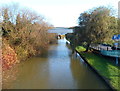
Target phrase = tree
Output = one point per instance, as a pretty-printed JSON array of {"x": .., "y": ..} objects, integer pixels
[
  {"x": 27, "y": 30},
  {"x": 96, "y": 26}
]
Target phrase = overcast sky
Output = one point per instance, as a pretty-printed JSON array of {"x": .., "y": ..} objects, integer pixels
[{"x": 62, "y": 13}]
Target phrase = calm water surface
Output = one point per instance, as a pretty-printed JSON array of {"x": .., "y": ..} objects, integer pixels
[{"x": 55, "y": 70}]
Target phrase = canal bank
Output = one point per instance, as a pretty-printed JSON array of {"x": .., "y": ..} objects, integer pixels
[
  {"x": 103, "y": 67},
  {"x": 92, "y": 68},
  {"x": 55, "y": 70}
]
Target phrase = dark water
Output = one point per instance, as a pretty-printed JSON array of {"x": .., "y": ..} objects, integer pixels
[{"x": 55, "y": 70}]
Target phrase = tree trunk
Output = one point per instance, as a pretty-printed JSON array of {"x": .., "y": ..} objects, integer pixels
[{"x": 88, "y": 45}]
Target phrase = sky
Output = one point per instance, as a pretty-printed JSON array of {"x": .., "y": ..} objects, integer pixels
[{"x": 62, "y": 13}]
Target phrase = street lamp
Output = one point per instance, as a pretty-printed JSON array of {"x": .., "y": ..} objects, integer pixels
[{"x": 116, "y": 38}]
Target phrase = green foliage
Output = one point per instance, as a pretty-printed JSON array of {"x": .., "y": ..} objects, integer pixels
[
  {"x": 80, "y": 48},
  {"x": 69, "y": 36},
  {"x": 105, "y": 67},
  {"x": 96, "y": 26}
]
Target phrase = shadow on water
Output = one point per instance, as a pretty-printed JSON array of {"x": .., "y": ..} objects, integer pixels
[
  {"x": 83, "y": 74},
  {"x": 84, "y": 77}
]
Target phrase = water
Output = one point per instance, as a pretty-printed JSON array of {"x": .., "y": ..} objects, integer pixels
[{"x": 55, "y": 70}]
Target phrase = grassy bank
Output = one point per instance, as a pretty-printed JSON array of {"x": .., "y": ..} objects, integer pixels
[{"x": 105, "y": 68}]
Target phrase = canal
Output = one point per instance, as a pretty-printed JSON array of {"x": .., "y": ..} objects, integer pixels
[{"x": 58, "y": 69}]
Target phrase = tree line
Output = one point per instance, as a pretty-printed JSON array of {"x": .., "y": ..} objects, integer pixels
[
  {"x": 24, "y": 31},
  {"x": 95, "y": 26}
]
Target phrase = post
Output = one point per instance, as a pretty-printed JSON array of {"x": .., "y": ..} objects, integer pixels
[
  {"x": 116, "y": 60},
  {"x": 116, "y": 57},
  {"x": 116, "y": 45}
]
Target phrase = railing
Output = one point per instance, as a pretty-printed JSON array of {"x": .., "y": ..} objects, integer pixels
[{"x": 112, "y": 53}]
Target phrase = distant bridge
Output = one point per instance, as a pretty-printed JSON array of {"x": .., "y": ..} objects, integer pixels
[{"x": 60, "y": 30}]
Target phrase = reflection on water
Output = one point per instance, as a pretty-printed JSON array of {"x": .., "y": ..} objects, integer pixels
[{"x": 57, "y": 70}]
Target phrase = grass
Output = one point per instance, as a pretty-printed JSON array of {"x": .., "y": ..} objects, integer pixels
[
  {"x": 80, "y": 48},
  {"x": 103, "y": 66}
]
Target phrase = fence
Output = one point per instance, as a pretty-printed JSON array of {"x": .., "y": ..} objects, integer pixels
[{"x": 112, "y": 53}]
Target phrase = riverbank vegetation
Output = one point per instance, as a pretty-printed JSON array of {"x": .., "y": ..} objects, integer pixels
[
  {"x": 104, "y": 67},
  {"x": 97, "y": 26},
  {"x": 24, "y": 34}
]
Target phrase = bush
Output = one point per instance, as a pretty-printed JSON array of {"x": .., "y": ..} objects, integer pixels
[{"x": 16, "y": 41}]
